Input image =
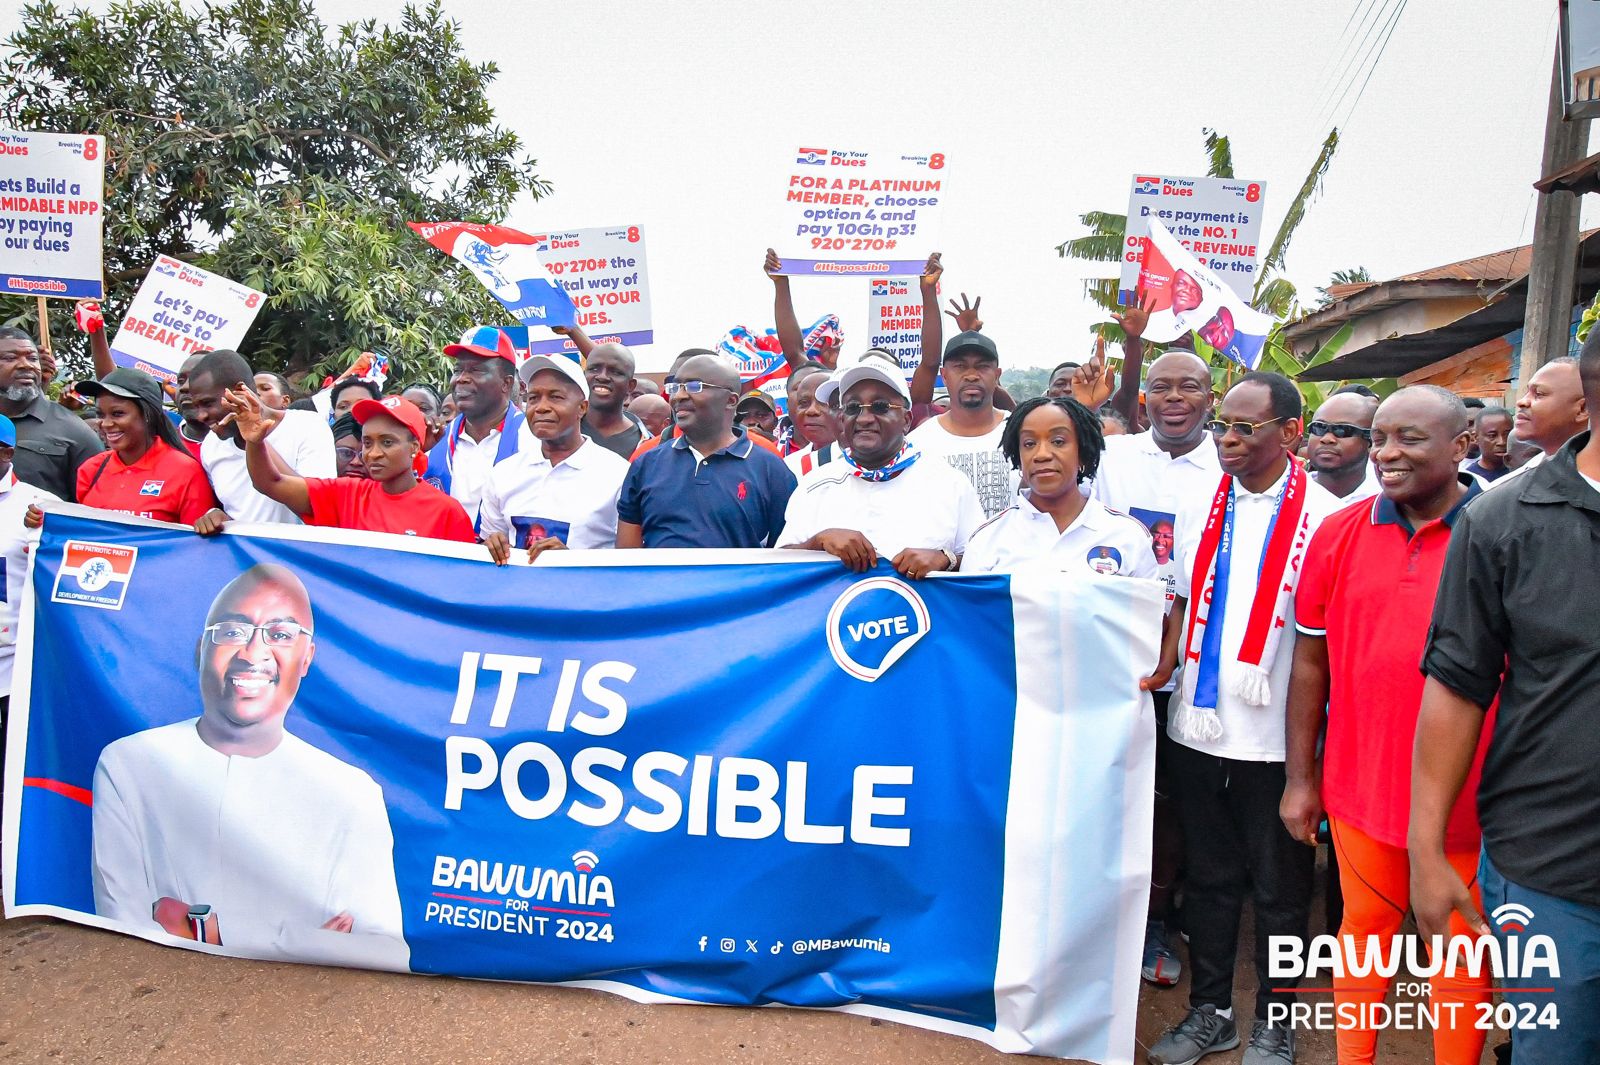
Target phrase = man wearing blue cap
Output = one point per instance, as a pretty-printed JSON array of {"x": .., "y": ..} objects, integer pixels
[
  {"x": 16, "y": 542},
  {"x": 487, "y": 429}
]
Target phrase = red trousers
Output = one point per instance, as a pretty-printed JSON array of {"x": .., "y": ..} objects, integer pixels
[{"x": 1377, "y": 892}]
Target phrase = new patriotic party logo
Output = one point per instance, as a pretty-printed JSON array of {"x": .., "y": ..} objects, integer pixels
[
  {"x": 94, "y": 574},
  {"x": 812, "y": 156},
  {"x": 1147, "y": 186},
  {"x": 873, "y": 624}
]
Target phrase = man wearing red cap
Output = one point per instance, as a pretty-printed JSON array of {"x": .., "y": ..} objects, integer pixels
[
  {"x": 392, "y": 501},
  {"x": 487, "y": 428}
]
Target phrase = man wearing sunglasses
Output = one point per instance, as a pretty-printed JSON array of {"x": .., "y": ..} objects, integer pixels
[
  {"x": 884, "y": 498},
  {"x": 711, "y": 486},
  {"x": 1240, "y": 553},
  {"x": 1339, "y": 447},
  {"x": 179, "y": 810}
]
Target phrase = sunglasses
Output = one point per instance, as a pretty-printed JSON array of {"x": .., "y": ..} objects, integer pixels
[
  {"x": 879, "y": 407},
  {"x": 1219, "y": 428},
  {"x": 694, "y": 388},
  {"x": 1340, "y": 430}
]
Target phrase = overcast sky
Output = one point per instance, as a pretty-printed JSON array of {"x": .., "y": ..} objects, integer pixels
[{"x": 681, "y": 117}]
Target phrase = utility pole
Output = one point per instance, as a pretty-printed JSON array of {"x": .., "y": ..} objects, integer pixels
[{"x": 1553, "y": 274}]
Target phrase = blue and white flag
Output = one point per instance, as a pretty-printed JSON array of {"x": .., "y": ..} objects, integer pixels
[
  {"x": 726, "y": 777},
  {"x": 507, "y": 262}
]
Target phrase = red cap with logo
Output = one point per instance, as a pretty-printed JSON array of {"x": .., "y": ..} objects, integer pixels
[{"x": 403, "y": 411}]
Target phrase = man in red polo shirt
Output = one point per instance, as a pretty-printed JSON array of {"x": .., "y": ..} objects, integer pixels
[
  {"x": 1362, "y": 608},
  {"x": 394, "y": 500}
]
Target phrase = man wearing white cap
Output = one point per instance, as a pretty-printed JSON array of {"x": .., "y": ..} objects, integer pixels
[
  {"x": 881, "y": 499},
  {"x": 562, "y": 494}
]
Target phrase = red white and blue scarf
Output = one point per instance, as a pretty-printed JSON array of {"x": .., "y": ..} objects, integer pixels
[
  {"x": 1205, "y": 664},
  {"x": 903, "y": 460}
]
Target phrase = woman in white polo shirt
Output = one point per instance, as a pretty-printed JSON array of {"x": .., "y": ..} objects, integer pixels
[{"x": 1056, "y": 444}]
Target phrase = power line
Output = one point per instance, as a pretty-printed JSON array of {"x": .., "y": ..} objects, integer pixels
[
  {"x": 1353, "y": 59},
  {"x": 1389, "y": 33},
  {"x": 1329, "y": 63}
]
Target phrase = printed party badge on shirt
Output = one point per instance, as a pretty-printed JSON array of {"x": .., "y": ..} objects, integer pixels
[
  {"x": 152, "y": 488},
  {"x": 94, "y": 574}
]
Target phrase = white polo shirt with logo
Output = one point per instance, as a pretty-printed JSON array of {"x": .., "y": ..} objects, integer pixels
[
  {"x": 929, "y": 505},
  {"x": 1097, "y": 540}
]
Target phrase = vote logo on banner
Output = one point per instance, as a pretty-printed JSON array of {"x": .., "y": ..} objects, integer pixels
[
  {"x": 873, "y": 624},
  {"x": 506, "y": 262}
]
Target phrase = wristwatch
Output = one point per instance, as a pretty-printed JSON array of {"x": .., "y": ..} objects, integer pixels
[
  {"x": 197, "y": 921},
  {"x": 950, "y": 557}
]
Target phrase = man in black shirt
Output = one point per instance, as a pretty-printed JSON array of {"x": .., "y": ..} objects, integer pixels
[
  {"x": 1515, "y": 618},
  {"x": 52, "y": 442}
]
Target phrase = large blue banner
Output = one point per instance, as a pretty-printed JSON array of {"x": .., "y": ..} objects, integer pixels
[{"x": 718, "y": 777}]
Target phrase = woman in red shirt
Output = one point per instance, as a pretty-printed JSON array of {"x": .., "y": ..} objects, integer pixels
[
  {"x": 393, "y": 500},
  {"x": 147, "y": 471}
]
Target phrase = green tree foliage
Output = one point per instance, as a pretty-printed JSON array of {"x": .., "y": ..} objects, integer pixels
[
  {"x": 1026, "y": 383},
  {"x": 251, "y": 139}
]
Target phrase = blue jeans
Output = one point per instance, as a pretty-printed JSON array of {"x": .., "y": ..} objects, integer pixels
[{"x": 1575, "y": 928}]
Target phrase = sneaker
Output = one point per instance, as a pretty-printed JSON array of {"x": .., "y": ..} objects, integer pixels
[
  {"x": 1269, "y": 1046},
  {"x": 1204, "y": 1031},
  {"x": 1161, "y": 966}
]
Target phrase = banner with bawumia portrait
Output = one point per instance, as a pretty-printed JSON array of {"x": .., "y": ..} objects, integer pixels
[{"x": 717, "y": 777}]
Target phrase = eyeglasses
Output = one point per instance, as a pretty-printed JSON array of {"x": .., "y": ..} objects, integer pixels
[
  {"x": 240, "y": 633},
  {"x": 1220, "y": 428},
  {"x": 1340, "y": 430},
  {"x": 345, "y": 454},
  {"x": 879, "y": 407},
  {"x": 694, "y": 388}
]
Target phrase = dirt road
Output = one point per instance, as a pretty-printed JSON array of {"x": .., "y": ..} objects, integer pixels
[{"x": 78, "y": 995}]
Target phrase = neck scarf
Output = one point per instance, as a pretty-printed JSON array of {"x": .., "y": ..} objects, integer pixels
[
  {"x": 903, "y": 460},
  {"x": 1249, "y": 675}
]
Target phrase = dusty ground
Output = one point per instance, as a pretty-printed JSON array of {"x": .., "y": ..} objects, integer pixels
[{"x": 74, "y": 994}]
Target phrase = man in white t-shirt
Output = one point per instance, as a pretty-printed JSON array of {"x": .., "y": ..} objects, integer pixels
[
  {"x": 560, "y": 492},
  {"x": 229, "y": 828},
  {"x": 1244, "y": 547},
  {"x": 300, "y": 439},
  {"x": 967, "y": 436},
  {"x": 883, "y": 497}
]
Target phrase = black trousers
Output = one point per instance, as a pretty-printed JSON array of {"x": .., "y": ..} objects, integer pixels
[{"x": 1235, "y": 846}]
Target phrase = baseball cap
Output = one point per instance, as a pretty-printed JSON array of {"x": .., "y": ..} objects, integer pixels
[
  {"x": 874, "y": 365},
  {"x": 971, "y": 340},
  {"x": 761, "y": 397},
  {"x": 8, "y": 432},
  {"x": 403, "y": 411},
  {"x": 486, "y": 342},
  {"x": 562, "y": 365},
  {"x": 129, "y": 384}
]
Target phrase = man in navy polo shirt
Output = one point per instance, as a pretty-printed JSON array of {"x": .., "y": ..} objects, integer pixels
[{"x": 709, "y": 487}]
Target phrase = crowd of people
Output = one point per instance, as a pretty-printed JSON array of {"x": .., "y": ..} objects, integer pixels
[{"x": 1364, "y": 643}]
